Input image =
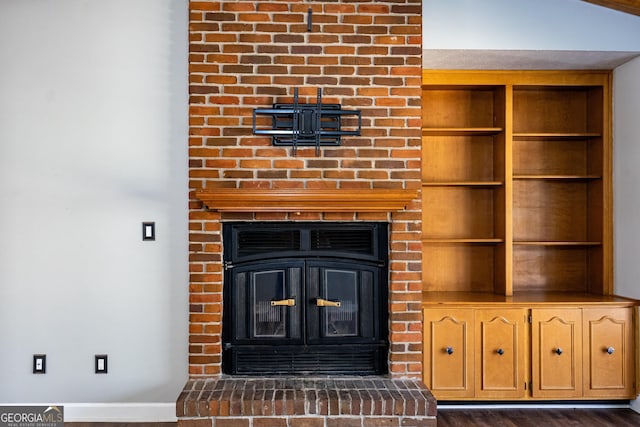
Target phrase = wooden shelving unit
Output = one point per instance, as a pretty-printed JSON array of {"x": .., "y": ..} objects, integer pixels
[
  {"x": 561, "y": 148},
  {"x": 517, "y": 225},
  {"x": 517, "y": 182},
  {"x": 463, "y": 193}
]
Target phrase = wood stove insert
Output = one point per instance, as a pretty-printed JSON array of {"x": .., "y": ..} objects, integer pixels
[{"x": 305, "y": 298}]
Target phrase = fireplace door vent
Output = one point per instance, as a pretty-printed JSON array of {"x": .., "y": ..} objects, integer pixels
[
  {"x": 318, "y": 363},
  {"x": 359, "y": 241},
  {"x": 305, "y": 298},
  {"x": 266, "y": 241}
]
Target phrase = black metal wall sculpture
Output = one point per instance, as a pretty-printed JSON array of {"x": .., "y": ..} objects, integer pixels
[{"x": 307, "y": 124}]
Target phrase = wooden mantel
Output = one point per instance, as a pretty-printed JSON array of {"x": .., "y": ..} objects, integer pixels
[{"x": 305, "y": 200}]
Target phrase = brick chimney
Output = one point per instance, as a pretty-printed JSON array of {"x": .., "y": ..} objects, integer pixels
[{"x": 364, "y": 55}]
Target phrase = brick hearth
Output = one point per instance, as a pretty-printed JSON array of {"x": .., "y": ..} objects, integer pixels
[{"x": 310, "y": 402}]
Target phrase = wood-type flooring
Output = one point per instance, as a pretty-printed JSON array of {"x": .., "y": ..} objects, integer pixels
[
  {"x": 537, "y": 417},
  {"x": 609, "y": 417}
]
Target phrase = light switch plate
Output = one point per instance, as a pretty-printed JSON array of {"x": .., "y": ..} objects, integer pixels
[
  {"x": 148, "y": 231},
  {"x": 101, "y": 364}
]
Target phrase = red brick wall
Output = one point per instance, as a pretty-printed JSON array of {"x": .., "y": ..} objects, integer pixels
[{"x": 363, "y": 54}]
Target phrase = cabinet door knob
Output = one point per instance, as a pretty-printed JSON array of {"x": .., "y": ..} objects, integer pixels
[
  {"x": 610, "y": 350},
  {"x": 500, "y": 351},
  {"x": 449, "y": 350},
  {"x": 558, "y": 351}
]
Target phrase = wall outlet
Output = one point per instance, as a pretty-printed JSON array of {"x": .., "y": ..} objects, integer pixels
[
  {"x": 39, "y": 363},
  {"x": 101, "y": 364}
]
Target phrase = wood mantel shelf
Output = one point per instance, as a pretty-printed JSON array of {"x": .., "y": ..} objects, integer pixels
[{"x": 305, "y": 200}]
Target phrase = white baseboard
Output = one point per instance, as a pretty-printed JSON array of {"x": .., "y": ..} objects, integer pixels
[
  {"x": 528, "y": 405},
  {"x": 635, "y": 405},
  {"x": 120, "y": 412}
]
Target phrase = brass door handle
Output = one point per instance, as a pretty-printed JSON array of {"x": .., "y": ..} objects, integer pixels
[
  {"x": 325, "y": 303},
  {"x": 288, "y": 302}
]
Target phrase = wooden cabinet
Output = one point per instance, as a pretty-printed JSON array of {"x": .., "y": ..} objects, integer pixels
[
  {"x": 609, "y": 353},
  {"x": 500, "y": 353},
  {"x": 475, "y": 353},
  {"x": 506, "y": 351},
  {"x": 517, "y": 217},
  {"x": 449, "y": 338},
  {"x": 556, "y": 353}
]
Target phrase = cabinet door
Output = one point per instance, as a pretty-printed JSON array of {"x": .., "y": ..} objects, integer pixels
[
  {"x": 500, "y": 361},
  {"x": 556, "y": 352},
  {"x": 609, "y": 349},
  {"x": 448, "y": 352}
]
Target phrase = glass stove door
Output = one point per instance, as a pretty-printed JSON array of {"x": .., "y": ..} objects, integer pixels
[
  {"x": 341, "y": 303},
  {"x": 268, "y": 303}
]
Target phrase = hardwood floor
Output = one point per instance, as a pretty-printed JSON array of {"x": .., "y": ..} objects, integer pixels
[
  {"x": 537, "y": 417},
  {"x": 491, "y": 418}
]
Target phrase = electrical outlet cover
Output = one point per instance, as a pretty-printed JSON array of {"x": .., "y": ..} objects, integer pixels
[{"x": 39, "y": 363}]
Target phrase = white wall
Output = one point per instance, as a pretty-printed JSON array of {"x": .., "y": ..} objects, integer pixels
[
  {"x": 527, "y": 25},
  {"x": 93, "y": 141},
  {"x": 626, "y": 178}
]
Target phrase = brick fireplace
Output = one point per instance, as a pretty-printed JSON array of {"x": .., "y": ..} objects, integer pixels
[{"x": 362, "y": 54}]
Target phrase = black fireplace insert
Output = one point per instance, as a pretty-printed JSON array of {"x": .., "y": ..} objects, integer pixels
[{"x": 305, "y": 298}]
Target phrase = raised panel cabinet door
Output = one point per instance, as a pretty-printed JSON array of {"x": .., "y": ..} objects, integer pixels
[
  {"x": 609, "y": 348},
  {"x": 448, "y": 361},
  {"x": 556, "y": 361},
  {"x": 500, "y": 357}
]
